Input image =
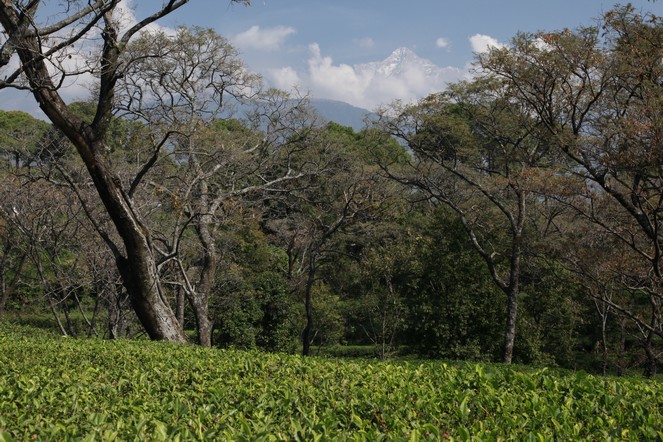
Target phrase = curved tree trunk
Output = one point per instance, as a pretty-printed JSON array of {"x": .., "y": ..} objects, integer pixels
[
  {"x": 138, "y": 266},
  {"x": 136, "y": 263}
]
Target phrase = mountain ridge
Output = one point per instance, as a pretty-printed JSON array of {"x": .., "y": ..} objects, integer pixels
[{"x": 341, "y": 112}]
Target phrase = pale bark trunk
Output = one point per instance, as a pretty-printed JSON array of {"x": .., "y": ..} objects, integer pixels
[
  {"x": 200, "y": 303},
  {"x": 203, "y": 324},
  {"x": 180, "y": 301},
  {"x": 512, "y": 289},
  {"x": 510, "y": 330}
]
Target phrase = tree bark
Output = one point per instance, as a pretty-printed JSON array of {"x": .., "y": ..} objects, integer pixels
[
  {"x": 203, "y": 323},
  {"x": 510, "y": 330},
  {"x": 200, "y": 303},
  {"x": 308, "y": 305},
  {"x": 136, "y": 263},
  {"x": 180, "y": 300}
]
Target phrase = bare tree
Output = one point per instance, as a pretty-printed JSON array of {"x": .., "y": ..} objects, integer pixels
[
  {"x": 597, "y": 91},
  {"x": 45, "y": 49},
  {"x": 181, "y": 88}
]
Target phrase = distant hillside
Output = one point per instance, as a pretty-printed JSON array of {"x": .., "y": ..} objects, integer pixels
[{"x": 341, "y": 113}]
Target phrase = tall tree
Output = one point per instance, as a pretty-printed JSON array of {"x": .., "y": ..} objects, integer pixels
[
  {"x": 46, "y": 51},
  {"x": 598, "y": 92},
  {"x": 182, "y": 85},
  {"x": 176, "y": 86},
  {"x": 482, "y": 157},
  {"x": 326, "y": 205}
]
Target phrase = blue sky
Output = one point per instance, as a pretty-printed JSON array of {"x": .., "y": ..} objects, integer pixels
[
  {"x": 317, "y": 44},
  {"x": 324, "y": 46}
]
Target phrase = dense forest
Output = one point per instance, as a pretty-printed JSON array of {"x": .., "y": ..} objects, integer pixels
[{"x": 513, "y": 217}]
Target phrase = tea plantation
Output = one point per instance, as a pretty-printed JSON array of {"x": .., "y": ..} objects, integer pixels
[{"x": 54, "y": 388}]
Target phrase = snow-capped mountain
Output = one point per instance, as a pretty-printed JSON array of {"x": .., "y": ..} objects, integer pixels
[{"x": 404, "y": 61}]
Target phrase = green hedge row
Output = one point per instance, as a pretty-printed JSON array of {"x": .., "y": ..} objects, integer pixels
[{"x": 54, "y": 388}]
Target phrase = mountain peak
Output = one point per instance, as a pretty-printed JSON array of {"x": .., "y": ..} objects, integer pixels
[
  {"x": 399, "y": 61},
  {"x": 401, "y": 53}
]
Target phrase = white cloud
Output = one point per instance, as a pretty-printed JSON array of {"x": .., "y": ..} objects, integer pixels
[
  {"x": 328, "y": 80},
  {"x": 368, "y": 85},
  {"x": 442, "y": 42},
  {"x": 268, "y": 39},
  {"x": 126, "y": 16},
  {"x": 285, "y": 78},
  {"x": 482, "y": 43},
  {"x": 366, "y": 42},
  {"x": 541, "y": 45}
]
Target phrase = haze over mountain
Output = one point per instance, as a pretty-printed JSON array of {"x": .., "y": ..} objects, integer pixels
[{"x": 341, "y": 112}]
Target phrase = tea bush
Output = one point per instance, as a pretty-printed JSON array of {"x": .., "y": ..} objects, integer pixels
[{"x": 54, "y": 388}]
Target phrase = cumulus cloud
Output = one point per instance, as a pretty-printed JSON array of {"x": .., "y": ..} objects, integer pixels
[
  {"x": 329, "y": 80},
  {"x": 482, "y": 43},
  {"x": 125, "y": 14},
  {"x": 402, "y": 76},
  {"x": 541, "y": 45},
  {"x": 268, "y": 39},
  {"x": 285, "y": 78},
  {"x": 72, "y": 59},
  {"x": 442, "y": 42}
]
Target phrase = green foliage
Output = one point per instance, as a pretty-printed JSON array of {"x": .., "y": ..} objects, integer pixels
[
  {"x": 279, "y": 327},
  {"x": 260, "y": 315},
  {"x": 551, "y": 315},
  {"x": 254, "y": 307},
  {"x": 20, "y": 134},
  {"x": 453, "y": 304},
  {"x": 328, "y": 321},
  {"x": 63, "y": 389},
  {"x": 239, "y": 320}
]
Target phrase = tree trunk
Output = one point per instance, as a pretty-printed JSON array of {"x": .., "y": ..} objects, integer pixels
[
  {"x": 116, "y": 319},
  {"x": 621, "y": 363},
  {"x": 203, "y": 325},
  {"x": 513, "y": 288},
  {"x": 4, "y": 296},
  {"x": 651, "y": 360},
  {"x": 139, "y": 276},
  {"x": 510, "y": 330},
  {"x": 200, "y": 301},
  {"x": 137, "y": 264},
  {"x": 8, "y": 290},
  {"x": 308, "y": 304},
  {"x": 138, "y": 268},
  {"x": 180, "y": 301}
]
